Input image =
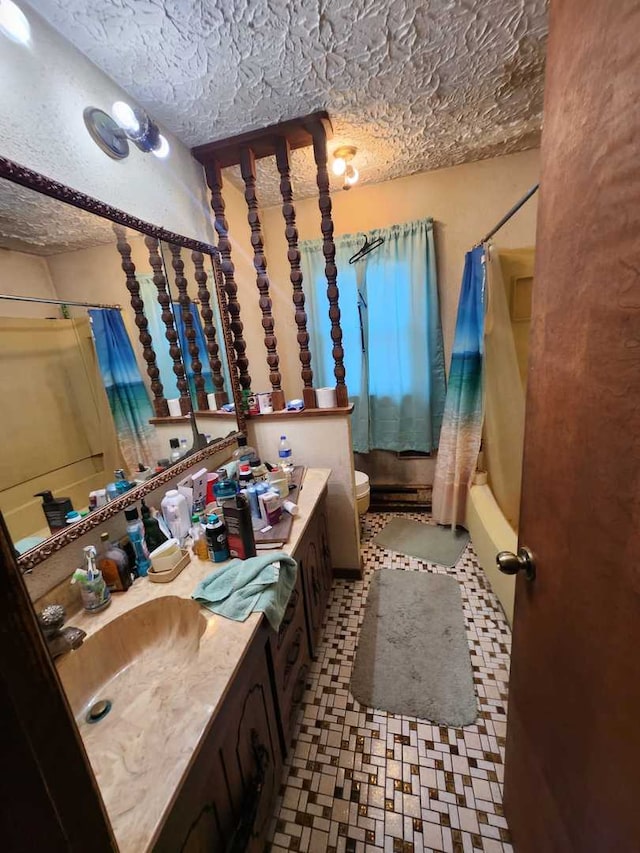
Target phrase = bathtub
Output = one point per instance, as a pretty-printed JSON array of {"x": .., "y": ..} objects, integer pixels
[{"x": 491, "y": 532}]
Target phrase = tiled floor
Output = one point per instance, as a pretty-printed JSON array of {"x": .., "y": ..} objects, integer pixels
[{"x": 357, "y": 780}]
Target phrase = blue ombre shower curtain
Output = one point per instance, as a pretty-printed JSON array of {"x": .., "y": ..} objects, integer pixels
[
  {"x": 126, "y": 392},
  {"x": 462, "y": 423}
]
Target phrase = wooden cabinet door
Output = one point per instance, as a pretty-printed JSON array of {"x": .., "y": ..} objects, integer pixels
[{"x": 251, "y": 751}]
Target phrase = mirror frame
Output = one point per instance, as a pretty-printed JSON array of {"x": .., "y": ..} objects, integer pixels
[{"x": 12, "y": 171}]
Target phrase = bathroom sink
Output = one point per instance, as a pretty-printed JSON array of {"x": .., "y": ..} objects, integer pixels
[{"x": 133, "y": 662}]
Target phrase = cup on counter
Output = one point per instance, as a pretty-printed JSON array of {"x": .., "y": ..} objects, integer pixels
[
  {"x": 174, "y": 408},
  {"x": 326, "y": 398},
  {"x": 265, "y": 402}
]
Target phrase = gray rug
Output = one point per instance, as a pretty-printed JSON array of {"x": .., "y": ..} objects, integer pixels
[
  {"x": 429, "y": 542},
  {"x": 413, "y": 656}
]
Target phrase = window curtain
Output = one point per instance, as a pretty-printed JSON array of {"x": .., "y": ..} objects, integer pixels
[
  {"x": 157, "y": 330},
  {"x": 462, "y": 424},
  {"x": 126, "y": 392},
  {"x": 392, "y": 336}
]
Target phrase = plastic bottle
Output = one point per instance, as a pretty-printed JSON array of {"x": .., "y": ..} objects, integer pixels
[
  {"x": 286, "y": 457},
  {"x": 55, "y": 510},
  {"x": 122, "y": 484},
  {"x": 259, "y": 470},
  {"x": 225, "y": 490},
  {"x": 135, "y": 529},
  {"x": 245, "y": 475},
  {"x": 183, "y": 447},
  {"x": 174, "y": 444},
  {"x": 114, "y": 565},
  {"x": 153, "y": 535},
  {"x": 198, "y": 538},
  {"x": 244, "y": 453},
  {"x": 217, "y": 539}
]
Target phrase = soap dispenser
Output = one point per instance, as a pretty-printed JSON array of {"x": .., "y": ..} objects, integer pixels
[{"x": 55, "y": 510}]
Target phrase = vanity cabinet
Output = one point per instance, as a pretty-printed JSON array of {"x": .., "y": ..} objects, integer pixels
[{"x": 226, "y": 800}]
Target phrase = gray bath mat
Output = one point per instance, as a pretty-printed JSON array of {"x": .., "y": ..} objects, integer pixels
[
  {"x": 429, "y": 542},
  {"x": 413, "y": 656}
]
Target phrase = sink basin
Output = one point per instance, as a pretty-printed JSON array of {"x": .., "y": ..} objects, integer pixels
[{"x": 134, "y": 659}]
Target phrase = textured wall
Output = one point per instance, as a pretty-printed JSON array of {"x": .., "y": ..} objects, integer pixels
[
  {"x": 414, "y": 86},
  {"x": 45, "y": 88}
]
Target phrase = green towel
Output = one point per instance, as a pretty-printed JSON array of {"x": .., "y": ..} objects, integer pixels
[{"x": 238, "y": 588}]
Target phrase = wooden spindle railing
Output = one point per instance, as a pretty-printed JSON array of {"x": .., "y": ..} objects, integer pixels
[
  {"x": 213, "y": 174},
  {"x": 167, "y": 317},
  {"x": 283, "y": 162},
  {"x": 206, "y": 312},
  {"x": 188, "y": 324},
  {"x": 248, "y": 171},
  {"x": 319, "y": 136},
  {"x": 160, "y": 405}
]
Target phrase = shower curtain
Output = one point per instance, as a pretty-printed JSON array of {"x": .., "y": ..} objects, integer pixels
[
  {"x": 126, "y": 392},
  {"x": 392, "y": 337},
  {"x": 504, "y": 397},
  {"x": 462, "y": 424}
]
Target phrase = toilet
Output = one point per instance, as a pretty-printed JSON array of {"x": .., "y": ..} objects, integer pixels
[{"x": 363, "y": 493}]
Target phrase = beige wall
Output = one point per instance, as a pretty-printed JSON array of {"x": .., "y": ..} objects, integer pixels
[{"x": 22, "y": 274}]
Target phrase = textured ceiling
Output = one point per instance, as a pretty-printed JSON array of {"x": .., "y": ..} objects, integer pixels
[
  {"x": 34, "y": 223},
  {"x": 414, "y": 84}
]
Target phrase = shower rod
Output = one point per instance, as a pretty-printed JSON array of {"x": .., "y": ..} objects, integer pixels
[
  {"x": 58, "y": 302},
  {"x": 516, "y": 207}
]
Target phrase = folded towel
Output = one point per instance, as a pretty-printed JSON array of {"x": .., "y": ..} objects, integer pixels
[{"x": 242, "y": 586}]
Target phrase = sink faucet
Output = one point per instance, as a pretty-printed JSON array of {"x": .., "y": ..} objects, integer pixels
[{"x": 59, "y": 640}]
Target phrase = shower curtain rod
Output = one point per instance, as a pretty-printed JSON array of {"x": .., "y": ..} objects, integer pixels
[
  {"x": 516, "y": 207},
  {"x": 58, "y": 302}
]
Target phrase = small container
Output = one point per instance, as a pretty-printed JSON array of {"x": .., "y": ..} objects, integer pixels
[
  {"x": 225, "y": 490},
  {"x": 198, "y": 538},
  {"x": 245, "y": 475},
  {"x": 176, "y": 514},
  {"x": 93, "y": 589},
  {"x": 73, "y": 516},
  {"x": 271, "y": 507},
  {"x": 237, "y": 516},
  {"x": 279, "y": 481},
  {"x": 174, "y": 445},
  {"x": 259, "y": 470},
  {"x": 217, "y": 542}
]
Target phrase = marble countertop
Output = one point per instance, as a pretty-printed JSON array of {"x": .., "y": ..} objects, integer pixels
[{"x": 169, "y": 678}]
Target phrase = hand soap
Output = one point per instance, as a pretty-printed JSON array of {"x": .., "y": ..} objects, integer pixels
[{"x": 55, "y": 510}]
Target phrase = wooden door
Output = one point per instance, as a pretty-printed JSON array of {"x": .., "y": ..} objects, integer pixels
[{"x": 573, "y": 739}]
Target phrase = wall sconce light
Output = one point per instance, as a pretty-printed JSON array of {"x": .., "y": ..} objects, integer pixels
[
  {"x": 342, "y": 165},
  {"x": 112, "y": 133},
  {"x": 13, "y": 23}
]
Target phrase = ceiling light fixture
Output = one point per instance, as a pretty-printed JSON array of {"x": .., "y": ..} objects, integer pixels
[
  {"x": 125, "y": 124},
  {"x": 342, "y": 165},
  {"x": 13, "y": 23}
]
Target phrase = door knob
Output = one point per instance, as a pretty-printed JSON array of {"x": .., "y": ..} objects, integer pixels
[{"x": 510, "y": 563}]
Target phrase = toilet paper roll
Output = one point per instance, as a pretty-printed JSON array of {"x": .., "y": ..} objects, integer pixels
[
  {"x": 174, "y": 408},
  {"x": 211, "y": 400},
  {"x": 326, "y": 398}
]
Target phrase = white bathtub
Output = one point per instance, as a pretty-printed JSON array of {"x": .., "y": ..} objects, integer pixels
[{"x": 491, "y": 532}]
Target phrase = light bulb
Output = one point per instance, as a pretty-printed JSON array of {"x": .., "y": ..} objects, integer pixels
[
  {"x": 163, "y": 148},
  {"x": 339, "y": 165},
  {"x": 13, "y": 23},
  {"x": 351, "y": 175},
  {"x": 126, "y": 117}
]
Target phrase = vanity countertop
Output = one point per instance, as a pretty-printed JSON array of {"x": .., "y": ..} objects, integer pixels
[{"x": 167, "y": 693}]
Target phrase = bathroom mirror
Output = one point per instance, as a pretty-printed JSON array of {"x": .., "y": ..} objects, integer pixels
[{"x": 111, "y": 336}]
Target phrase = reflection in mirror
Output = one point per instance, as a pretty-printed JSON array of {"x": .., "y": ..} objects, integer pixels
[{"x": 92, "y": 370}]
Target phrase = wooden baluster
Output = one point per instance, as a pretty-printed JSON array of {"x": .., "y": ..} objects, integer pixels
[
  {"x": 160, "y": 405},
  {"x": 291, "y": 233},
  {"x": 213, "y": 174},
  {"x": 206, "y": 312},
  {"x": 167, "y": 316},
  {"x": 188, "y": 325},
  {"x": 248, "y": 171},
  {"x": 319, "y": 136}
]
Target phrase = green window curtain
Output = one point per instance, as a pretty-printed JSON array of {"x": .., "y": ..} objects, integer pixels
[{"x": 392, "y": 335}]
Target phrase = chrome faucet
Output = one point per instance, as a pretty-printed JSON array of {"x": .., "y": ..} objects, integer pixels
[{"x": 59, "y": 640}]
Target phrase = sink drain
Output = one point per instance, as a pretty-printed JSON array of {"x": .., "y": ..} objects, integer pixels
[{"x": 98, "y": 711}]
